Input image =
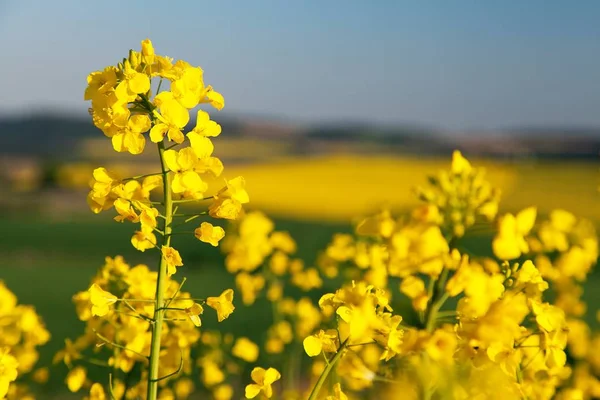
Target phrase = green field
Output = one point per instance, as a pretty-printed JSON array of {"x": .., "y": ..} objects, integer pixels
[{"x": 45, "y": 262}]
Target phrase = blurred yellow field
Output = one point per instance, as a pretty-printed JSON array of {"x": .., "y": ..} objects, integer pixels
[{"x": 341, "y": 187}]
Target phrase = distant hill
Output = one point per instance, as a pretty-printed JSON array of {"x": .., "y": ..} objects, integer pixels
[{"x": 57, "y": 136}]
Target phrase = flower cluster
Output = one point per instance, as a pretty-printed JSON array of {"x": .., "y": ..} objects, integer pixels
[
  {"x": 456, "y": 199},
  {"x": 22, "y": 331},
  {"x": 136, "y": 305},
  {"x": 506, "y": 324},
  {"x": 123, "y": 296},
  {"x": 503, "y": 328}
]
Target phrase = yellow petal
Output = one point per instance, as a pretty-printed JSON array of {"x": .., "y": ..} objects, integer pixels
[
  {"x": 526, "y": 220},
  {"x": 252, "y": 391},
  {"x": 201, "y": 145},
  {"x": 157, "y": 133},
  {"x": 312, "y": 346},
  {"x": 139, "y": 83},
  {"x": 216, "y": 99},
  {"x": 170, "y": 157},
  {"x": 139, "y": 123}
]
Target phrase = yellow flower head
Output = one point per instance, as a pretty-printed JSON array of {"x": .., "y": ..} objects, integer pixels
[
  {"x": 460, "y": 164},
  {"x": 147, "y": 51},
  {"x": 76, "y": 379},
  {"x": 245, "y": 349},
  {"x": 172, "y": 258},
  {"x": 322, "y": 341},
  {"x": 208, "y": 233},
  {"x": 223, "y": 304},
  {"x": 510, "y": 242},
  {"x": 263, "y": 379},
  {"x": 194, "y": 313},
  {"x": 101, "y": 300},
  {"x": 97, "y": 392}
]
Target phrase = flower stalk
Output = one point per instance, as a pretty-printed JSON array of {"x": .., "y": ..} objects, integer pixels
[
  {"x": 323, "y": 377},
  {"x": 159, "y": 312}
]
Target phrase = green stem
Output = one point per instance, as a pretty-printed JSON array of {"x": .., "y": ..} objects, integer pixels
[
  {"x": 327, "y": 370},
  {"x": 141, "y": 176},
  {"x": 159, "y": 312},
  {"x": 437, "y": 300}
]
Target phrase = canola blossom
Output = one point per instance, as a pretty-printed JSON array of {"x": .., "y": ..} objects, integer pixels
[
  {"x": 22, "y": 333},
  {"x": 142, "y": 317},
  {"x": 399, "y": 308}
]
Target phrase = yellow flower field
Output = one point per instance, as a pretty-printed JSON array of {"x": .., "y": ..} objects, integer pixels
[
  {"x": 341, "y": 187},
  {"x": 414, "y": 302}
]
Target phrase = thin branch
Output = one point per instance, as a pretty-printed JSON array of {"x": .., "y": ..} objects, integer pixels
[
  {"x": 172, "y": 373},
  {"x": 107, "y": 341},
  {"x": 176, "y": 292}
]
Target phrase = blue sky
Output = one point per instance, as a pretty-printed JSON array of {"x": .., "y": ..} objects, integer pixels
[{"x": 453, "y": 65}]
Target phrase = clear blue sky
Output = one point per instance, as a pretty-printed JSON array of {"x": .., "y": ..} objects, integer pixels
[{"x": 448, "y": 64}]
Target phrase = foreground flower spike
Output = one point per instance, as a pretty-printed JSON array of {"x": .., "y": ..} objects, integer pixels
[
  {"x": 223, "y": 304},
  {"x": 150, "y": 96},
  {"x": 263, "y": 379}
]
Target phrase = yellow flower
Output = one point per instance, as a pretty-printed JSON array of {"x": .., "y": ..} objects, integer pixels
[
  {"x": 223, "y": 304},
  {"x": 134, "y": 83},
  {"x": 8, "y": 370},
  {"x": 211, "y": 373},
  {"x": 104, "y": 181},
  {"x": 100, "y": 83},
  {"x": 414, "y": 288},
  {"x": 184, "y": 387},
  {"x": 337, "y": 393},
  {"x": 189, "y": 89},
  {"x": 263, "y": 380},
  {"x": 548, "y": 317},
  {"x": 225, "y": 208},
  {"x": 143, "y": 240},
  {"x": 245, "y": 349},
  {"x": 194, "y": 312},
  {"x": 182, "y": 165},
  {"x": 529, "y": 277},
  {"x": 215, "y": 99},
  {"x": 223, "y": 392},
  {"x": 250, "y": 286},
  {"x": 173, "y": 117},
  {"x": 147, "y": 51},
  {"x": 510, "y": 242},
  {"x": 208, "y": 233},
  {"x": 228, "y": 202},
  {"x": 130, "y": 138},
  {"x": 205, "y": 126},
  {"x": 203, "y": 147},
  {"x": 70, "y": 353},
  {"x": 101, "y": 300},
  {"x": 172, "y": 258},
  {"x": 76, "y": 378},
  {"x": 321, "y": 341},
  {"x": 96, "y": 392},
  {"x": 460, "y": 165},
  {"x": 235, "y": 190}
]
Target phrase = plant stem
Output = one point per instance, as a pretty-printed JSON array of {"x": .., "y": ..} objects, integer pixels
[
  {"x": 159, "y": 311},
  {"x": 315, "y": 392},
  {"x": 437, "y": 300}
]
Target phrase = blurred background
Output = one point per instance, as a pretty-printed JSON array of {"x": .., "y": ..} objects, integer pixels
[{"x": 333, "y": 109}]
